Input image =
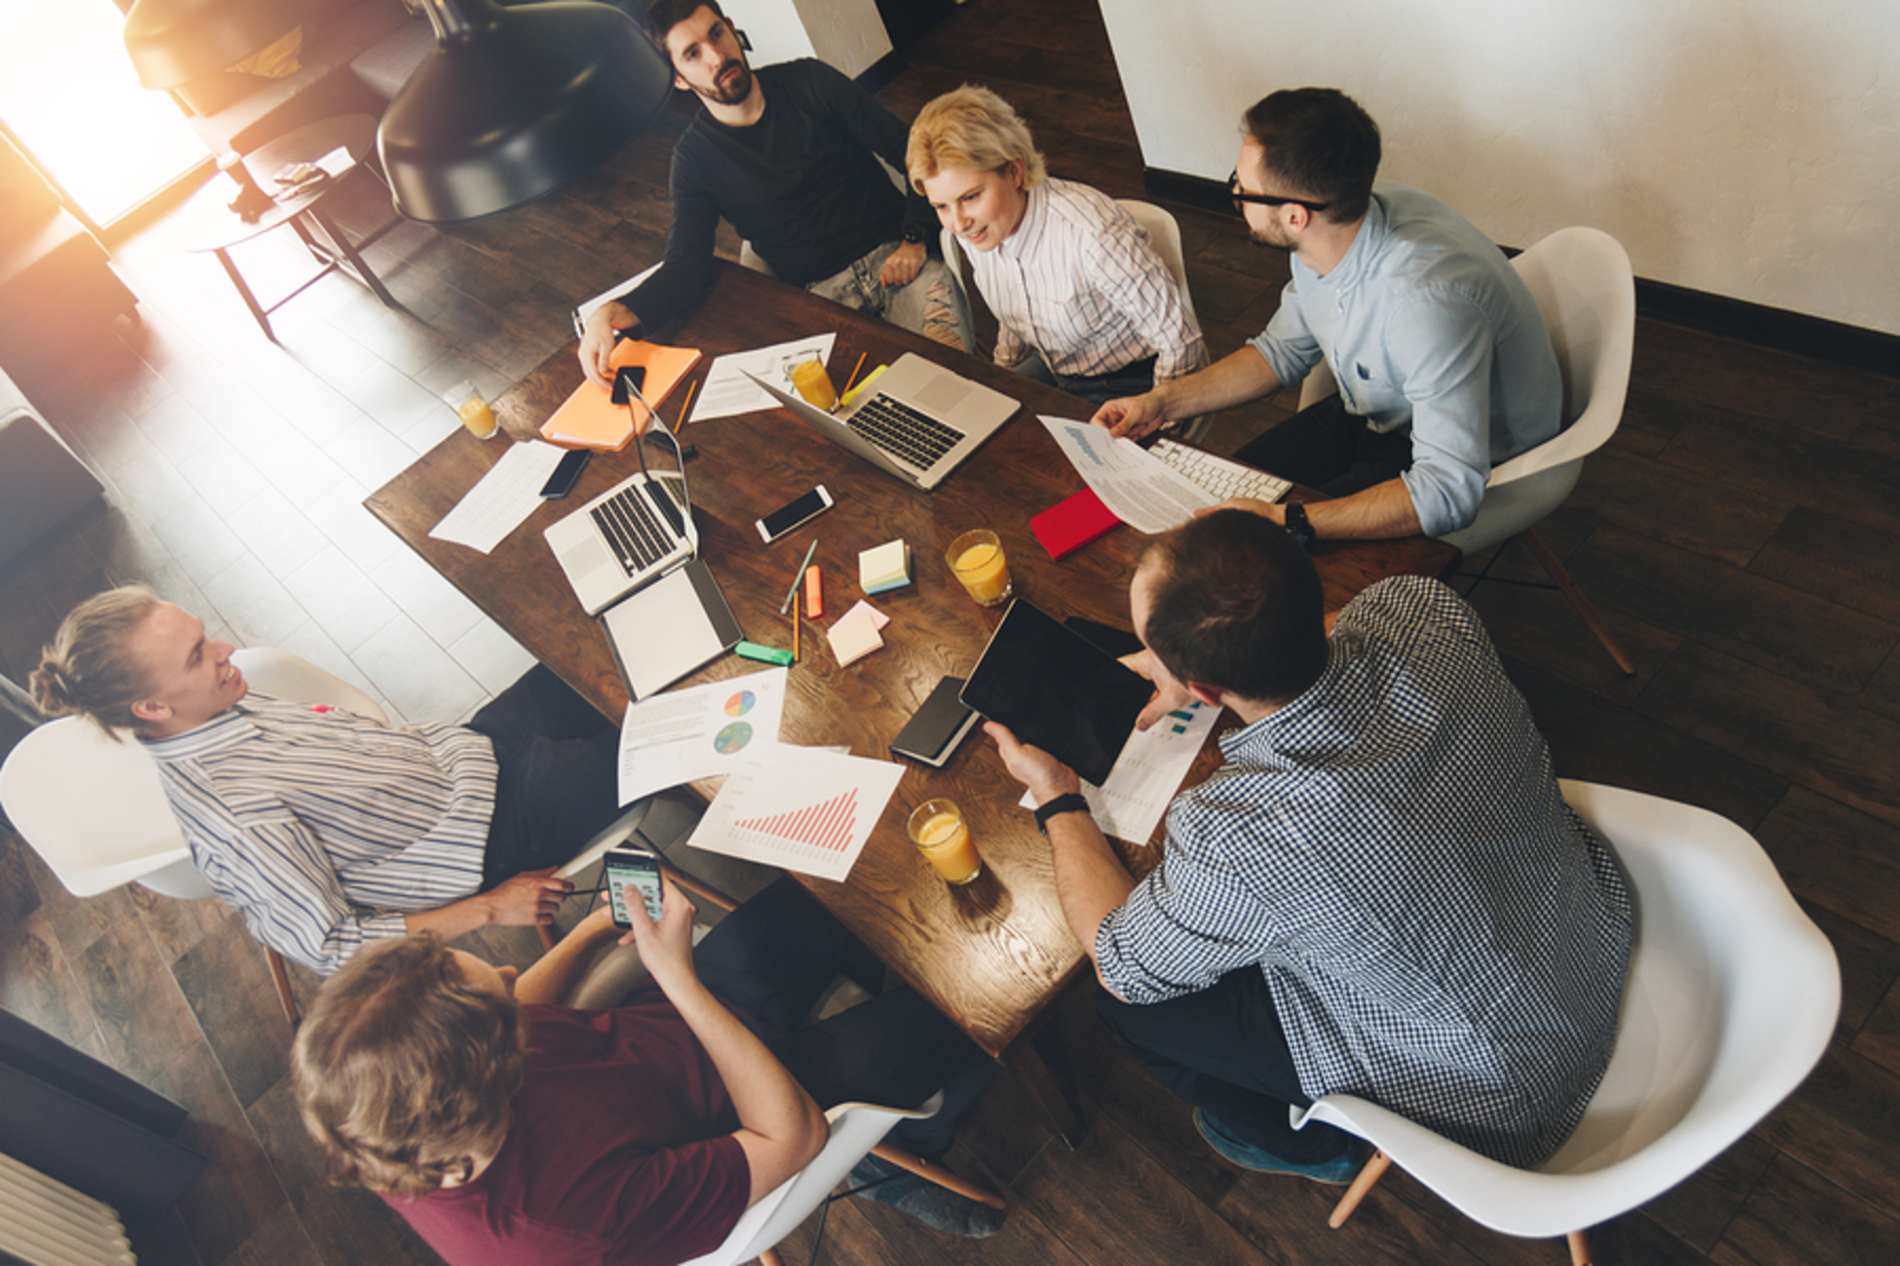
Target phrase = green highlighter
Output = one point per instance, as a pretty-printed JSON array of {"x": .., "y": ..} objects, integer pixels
[{"x": 764, "y": 654}]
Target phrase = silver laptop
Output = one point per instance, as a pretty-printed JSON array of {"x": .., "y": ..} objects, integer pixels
[
  {"x": 919, "y": 424},
  {"x": 629, "y": 536}
]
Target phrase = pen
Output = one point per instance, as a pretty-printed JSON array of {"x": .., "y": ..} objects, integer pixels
[
  {"x": 796, "y": 621},
  {"x": 691, "y": 387},
  {"x": 799, "y": 579},
  {"x": 854, "y": 376}
]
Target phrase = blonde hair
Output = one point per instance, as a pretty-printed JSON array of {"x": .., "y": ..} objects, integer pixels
[
  {"x": 971, "y": 127},
  {"x": 405, "y": 1074},
  {"x": 86, "y": 670}
]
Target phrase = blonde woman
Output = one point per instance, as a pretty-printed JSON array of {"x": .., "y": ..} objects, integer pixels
[{"x": 1079, "y": 294}]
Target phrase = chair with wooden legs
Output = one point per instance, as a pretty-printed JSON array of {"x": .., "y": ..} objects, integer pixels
[
  {"x": 857, "y": 1131},
  {"x": 1586, "y": 292},
  {"x": 1731, "y": 998}
]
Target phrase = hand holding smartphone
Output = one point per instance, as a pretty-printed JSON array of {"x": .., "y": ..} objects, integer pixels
[{"x": 628, "y": 866}]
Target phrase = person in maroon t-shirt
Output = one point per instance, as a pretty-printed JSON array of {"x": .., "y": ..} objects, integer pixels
[{"x": 502, "y": 1127}]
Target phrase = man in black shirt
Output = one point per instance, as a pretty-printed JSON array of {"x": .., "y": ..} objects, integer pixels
[{"x": 789, "y": 155}]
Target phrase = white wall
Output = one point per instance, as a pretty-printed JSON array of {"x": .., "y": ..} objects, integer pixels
[
  {"x": 848, "y": 34},
  {"x": 1748, "y": 148}
]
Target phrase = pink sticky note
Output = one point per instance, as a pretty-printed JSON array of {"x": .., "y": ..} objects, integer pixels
[
  {"x": 854, "y": 635},
  {"x": 878, "y": 618}
]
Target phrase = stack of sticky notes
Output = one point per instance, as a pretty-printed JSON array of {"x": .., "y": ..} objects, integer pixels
[
  {"x": 884, "y": 568},
  {"x": 855, "y": 634}
]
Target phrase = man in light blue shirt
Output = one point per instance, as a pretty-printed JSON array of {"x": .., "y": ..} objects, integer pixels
[{"x": 1444, "y": 363}]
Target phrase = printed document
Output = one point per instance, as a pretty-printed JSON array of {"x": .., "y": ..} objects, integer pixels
[
  {"x": 1138, "y": 488},
  {"x": 503, "y": 498},
  {"x": 727, "y": 390},
  {"x": 1147, "y": 774},
  {"x": 800, "y": 808},
  {"x": 698, "y": 732}
]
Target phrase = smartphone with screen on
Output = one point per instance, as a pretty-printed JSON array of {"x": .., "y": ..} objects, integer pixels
[
  {"x": 627, "y": 866},
  {"x": 793, "y": 514}
]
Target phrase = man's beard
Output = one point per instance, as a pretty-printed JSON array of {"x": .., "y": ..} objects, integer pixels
[
  {"x": 1266, "y": 243},
  {"x": 741, "y": 87}
]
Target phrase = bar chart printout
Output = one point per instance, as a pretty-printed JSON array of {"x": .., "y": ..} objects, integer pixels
[{"x": 800, "y": 808}]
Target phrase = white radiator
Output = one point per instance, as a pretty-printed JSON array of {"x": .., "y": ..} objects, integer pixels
[{"x": 47, "y": 1223}]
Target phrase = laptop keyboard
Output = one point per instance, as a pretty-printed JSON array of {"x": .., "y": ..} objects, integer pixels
[
  {"x": 631, "y": 528},
  {"x": 897, "y": 428},
  {"x": 1220, "y": 476}
]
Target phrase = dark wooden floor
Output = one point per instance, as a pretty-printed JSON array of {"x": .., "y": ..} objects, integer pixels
[{"x": 1742, "y": 532}]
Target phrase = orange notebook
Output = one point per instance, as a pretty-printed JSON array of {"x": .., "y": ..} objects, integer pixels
[{"x": 590, "y": 418}]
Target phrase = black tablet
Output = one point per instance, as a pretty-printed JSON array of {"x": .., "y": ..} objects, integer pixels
[{"x": 1057, "y": 691}]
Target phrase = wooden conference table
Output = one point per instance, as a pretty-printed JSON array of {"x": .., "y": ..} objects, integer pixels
[{"x": 992, "y": 956}]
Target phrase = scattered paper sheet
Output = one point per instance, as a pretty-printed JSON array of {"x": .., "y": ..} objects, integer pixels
[
  {"x": 1147, "y": 774},
  {"x": 502, "y": 500},
  {"x": 1138, "y": 488},
  {"x": 586, "y": 310},
  {"x": 695, "y": 733},
  {"x": 727, "y": 390},
  {"x": 801, "y": 808}
]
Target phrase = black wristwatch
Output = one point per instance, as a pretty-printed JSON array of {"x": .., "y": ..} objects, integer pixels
[
  {"x": 1068, "y": 802},
  {"x": 1297, "y": 524},
  {"x": 916, "y": 234}
]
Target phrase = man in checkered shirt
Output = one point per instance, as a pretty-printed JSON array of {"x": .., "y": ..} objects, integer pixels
[{"x": 1381, "y": 892}]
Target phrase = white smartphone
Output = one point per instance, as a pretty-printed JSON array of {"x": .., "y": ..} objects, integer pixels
[
  {"x": 793, "y": 514},
  {"x": 637, "y": 867}
]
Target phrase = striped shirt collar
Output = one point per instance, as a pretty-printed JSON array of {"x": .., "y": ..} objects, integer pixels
[
  {"x": 1030, "y": 230},
  {"x": 222, "y": 732}
]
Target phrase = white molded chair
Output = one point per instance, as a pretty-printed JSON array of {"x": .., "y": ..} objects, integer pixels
[
  {"x": 1731, "y": 998},
  {"x": 1584, "y": 288},
  {"x": 857, "y": 1130},
  {"x": 1165, "y": 235},
  {"x": 96, "y": 812}
]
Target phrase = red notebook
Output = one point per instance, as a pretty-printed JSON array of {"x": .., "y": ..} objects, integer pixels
[{"x": 1068, "y": 525}]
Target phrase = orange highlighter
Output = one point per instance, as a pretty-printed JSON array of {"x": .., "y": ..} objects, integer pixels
[{"x": 814, "y": 593}]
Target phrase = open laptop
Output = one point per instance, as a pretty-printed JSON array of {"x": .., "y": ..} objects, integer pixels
[
  {"x": 919, "y": 423},
  {"x": 629, "y": 536}
]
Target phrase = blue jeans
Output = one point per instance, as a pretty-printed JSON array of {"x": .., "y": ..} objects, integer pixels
[{"x": 931, "y": 305}]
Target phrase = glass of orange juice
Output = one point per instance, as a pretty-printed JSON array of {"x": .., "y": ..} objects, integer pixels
[
  {"x": 938, "y": 830},
  {"x": 469, "y": 405},
  {"x": 814, "y": 383},
  {"x": 977, "y": 559}
]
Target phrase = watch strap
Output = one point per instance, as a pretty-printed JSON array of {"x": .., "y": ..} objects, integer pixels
[
  {"x": 1068, "y": 802},
  {"x": 1298, "y": 524}
]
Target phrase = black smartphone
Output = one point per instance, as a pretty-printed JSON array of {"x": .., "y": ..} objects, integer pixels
[
  {"x": 634, "y": 376},
  {"x": 625, "y": 866},
  {"x": 566, "y": 474},
  {"x": 793, "y": 514}
]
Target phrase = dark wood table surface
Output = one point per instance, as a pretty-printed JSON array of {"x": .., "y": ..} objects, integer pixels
[{"x": 993, "y": 955}]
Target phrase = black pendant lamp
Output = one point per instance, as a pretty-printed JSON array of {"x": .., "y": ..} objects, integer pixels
[
  {"x": 514, "y": 103},
  {"x": 175, "y": 41}
]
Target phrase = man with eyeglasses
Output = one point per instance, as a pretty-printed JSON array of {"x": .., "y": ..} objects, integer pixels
[{"x": 1444, "y": 363}]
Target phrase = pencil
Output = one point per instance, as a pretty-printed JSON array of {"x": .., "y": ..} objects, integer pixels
[
  {"x": 854, "y": 376},
  {"x": 799, "y": 579},
  {"x": 797, "y": 619},
  {"x": 685, "y": 405}
]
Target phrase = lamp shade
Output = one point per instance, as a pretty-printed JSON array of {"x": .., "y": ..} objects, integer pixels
[
  {"x": 514, "y": 103},
  {"x": 175, "y": 41}
]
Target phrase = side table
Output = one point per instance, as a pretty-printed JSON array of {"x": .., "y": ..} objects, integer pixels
[{"x": 214, "y": 228}]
